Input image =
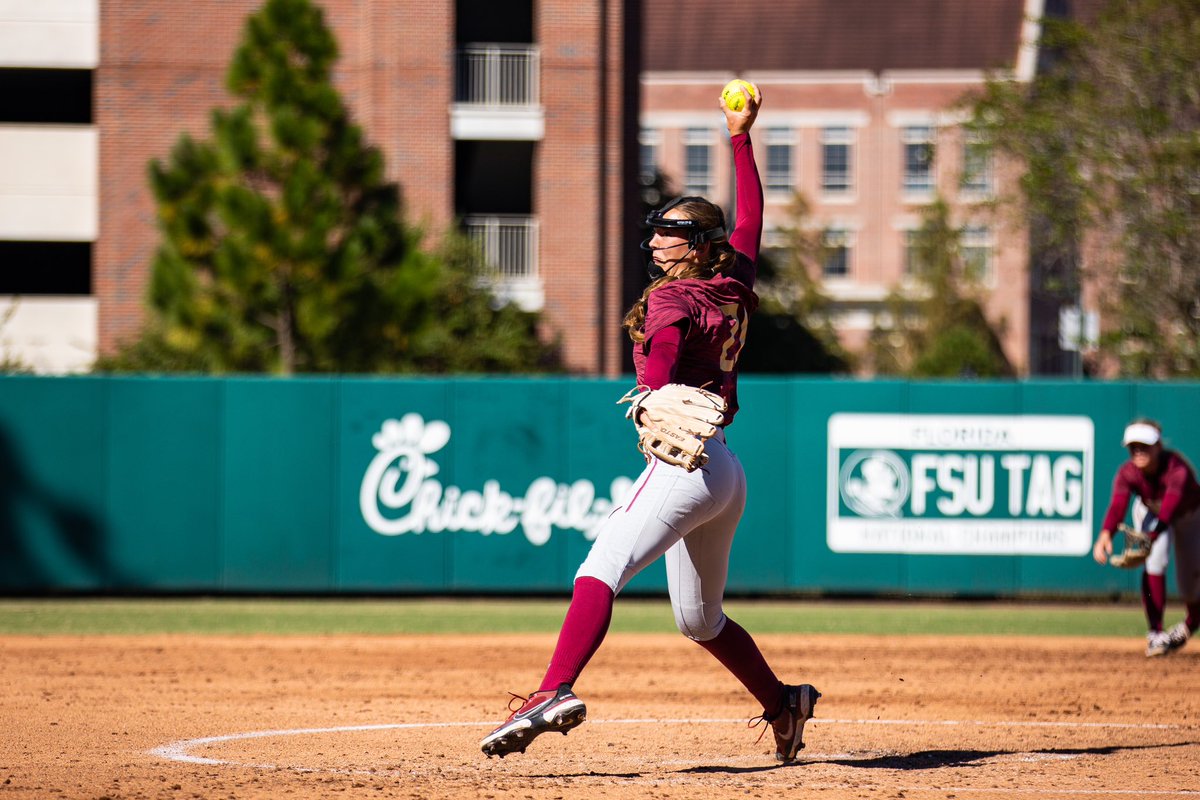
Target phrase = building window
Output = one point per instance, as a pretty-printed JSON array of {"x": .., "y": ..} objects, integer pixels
[
  {"x": 45, "y": 268},
  {"x": 918, "y": 158},
  {"x": 977, "y": 167},
  {"x": 776, "y": 248},
  {"x": 52, "y": 96},
  {"x": 498, "y": 75},
  {"x": 912, "y": 253},
  {"x": 976, "y": 249},
  {"x": 697, "y": 157},
  {"x": 493, "y": 177},
  {"x": 780, "y": 143},
  {"x": 508, "y": 244},
  {"x": 649, "y": 142},
  {"x": 836, "y": 260},
  {"x": 836, "y": 160}
]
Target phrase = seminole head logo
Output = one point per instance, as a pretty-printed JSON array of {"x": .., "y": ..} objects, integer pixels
[{"x": 874, "y": 483}]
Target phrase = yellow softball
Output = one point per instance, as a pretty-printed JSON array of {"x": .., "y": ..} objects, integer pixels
[{"x": 733, "y": 95}]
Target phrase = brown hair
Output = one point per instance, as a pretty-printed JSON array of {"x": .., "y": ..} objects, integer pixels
[{"x": 721, "y": 258}]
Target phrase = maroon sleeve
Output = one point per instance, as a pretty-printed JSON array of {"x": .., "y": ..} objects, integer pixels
[
  {"x": 1119, "y": 503},
  {"x": 1175, "y": 482},
  {"x": 667, "y": 305},
  {"x": 747, "y": 232},
  {"x": 663, "y": 356}
]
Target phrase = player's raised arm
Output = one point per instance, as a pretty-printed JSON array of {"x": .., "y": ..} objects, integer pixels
[{"x": 739, "y": 118}]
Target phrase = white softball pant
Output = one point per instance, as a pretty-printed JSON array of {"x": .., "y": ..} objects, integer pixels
[
  {"x": 690, "y": 517},
  {"x": 1160, "y": 551},
  {"x": 1185, "y": 531}
]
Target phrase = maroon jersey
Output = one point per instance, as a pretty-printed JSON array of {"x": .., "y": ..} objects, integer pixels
[
  {"x": 714, "y": 313},
  {"x": 1171, "y": 492}
]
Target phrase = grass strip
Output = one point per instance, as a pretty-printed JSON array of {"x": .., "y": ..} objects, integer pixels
[{"x": 375, "y": 616}]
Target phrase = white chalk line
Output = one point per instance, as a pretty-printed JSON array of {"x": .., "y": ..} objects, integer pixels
[
  {"x": 180, "y": 751},
  {"x": 177, "y": 751}
]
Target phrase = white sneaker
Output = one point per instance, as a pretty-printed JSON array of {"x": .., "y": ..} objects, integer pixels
[
  {"x": 1178, "y": 636},
  {"x": 1158, "y": 643}
]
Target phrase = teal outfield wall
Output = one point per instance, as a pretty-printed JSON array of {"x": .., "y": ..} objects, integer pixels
[{"x": 359, "y": 485}]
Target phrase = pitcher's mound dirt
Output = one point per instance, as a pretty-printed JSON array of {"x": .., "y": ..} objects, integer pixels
[{"x": 400, "y": 717}]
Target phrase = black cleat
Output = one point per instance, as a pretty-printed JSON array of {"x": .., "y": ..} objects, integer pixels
[
  {"x": 788, "y": 724},
  {"x": 540, "y": 712}
]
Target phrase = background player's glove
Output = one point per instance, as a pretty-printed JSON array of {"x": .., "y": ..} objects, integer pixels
[
  {"x": 1137, "y": 549},
  {"x": 674, "y": 422}
]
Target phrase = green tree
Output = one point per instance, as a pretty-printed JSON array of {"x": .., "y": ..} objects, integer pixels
[
  {"x": 1109, "y": 136},
  {"x": 11, "y": 363},
  {"x": 793, "y": 330},
  {"x": 283, "y": 247},
  {"x": 936, "y": 327}
]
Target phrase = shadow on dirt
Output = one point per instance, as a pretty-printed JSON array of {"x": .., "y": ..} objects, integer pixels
[
  {"x": 937, "y": 759},
  {"x": 924, "y": 759}
]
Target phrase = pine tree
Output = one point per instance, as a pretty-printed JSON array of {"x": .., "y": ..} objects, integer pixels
[{"x": 283, "y": 247}]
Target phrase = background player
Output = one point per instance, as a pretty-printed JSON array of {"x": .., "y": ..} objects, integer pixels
[
  {"x": 688, "y": 327},
  {"x": 1167, "y": 499}
]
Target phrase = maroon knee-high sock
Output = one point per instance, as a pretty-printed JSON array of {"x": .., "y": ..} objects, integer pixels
[
  {"x": 1193, "y": 616},
  {"x": 738, "y": 653},
  {"x": 582, "y": 632},
  {"x": 1154, "y": 599}
]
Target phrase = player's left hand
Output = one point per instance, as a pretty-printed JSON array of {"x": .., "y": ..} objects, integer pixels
[
  {"x": 1137, "y": 549},
  {"x": 675, "y": 421}
]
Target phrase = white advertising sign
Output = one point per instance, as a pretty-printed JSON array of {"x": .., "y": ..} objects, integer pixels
[
  {"x": 960, "y": 484},
  {"x": 400, "y": 493}
]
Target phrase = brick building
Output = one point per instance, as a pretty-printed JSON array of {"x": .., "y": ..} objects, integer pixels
[
  {"x": 534, "y": 121},
  {"x": 49, "y": 177},
  {"x": 517, "y": 133},
  {"x": 860, "y": 119},
  {"x": 508, "y": 116}
]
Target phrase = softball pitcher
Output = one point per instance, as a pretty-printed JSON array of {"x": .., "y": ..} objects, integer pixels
[
  {"x": 1166, "y": 507},
  {"x": 688, "y": 329}
]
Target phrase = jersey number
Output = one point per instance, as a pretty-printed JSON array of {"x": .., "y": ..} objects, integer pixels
[{"x": 736, "y": 314}]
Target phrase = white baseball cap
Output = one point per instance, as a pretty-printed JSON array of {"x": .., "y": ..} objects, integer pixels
[{"x": 1141, "y": 433}]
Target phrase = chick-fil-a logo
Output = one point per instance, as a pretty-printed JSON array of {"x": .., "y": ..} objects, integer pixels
[{"x": 400, "y": 494}]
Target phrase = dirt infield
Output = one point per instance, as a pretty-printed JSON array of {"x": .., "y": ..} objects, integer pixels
[{"x": 400, "y": 717}]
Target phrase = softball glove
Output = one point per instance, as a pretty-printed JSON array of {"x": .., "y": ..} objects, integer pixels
[
  {"x": 1137, "y": 549},
  {"x": 674, "y": 422}
]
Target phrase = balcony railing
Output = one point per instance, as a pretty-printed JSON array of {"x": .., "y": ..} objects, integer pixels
[
  {"x": 509, "y": 245},
  {"x": 498, "y": 75}
]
